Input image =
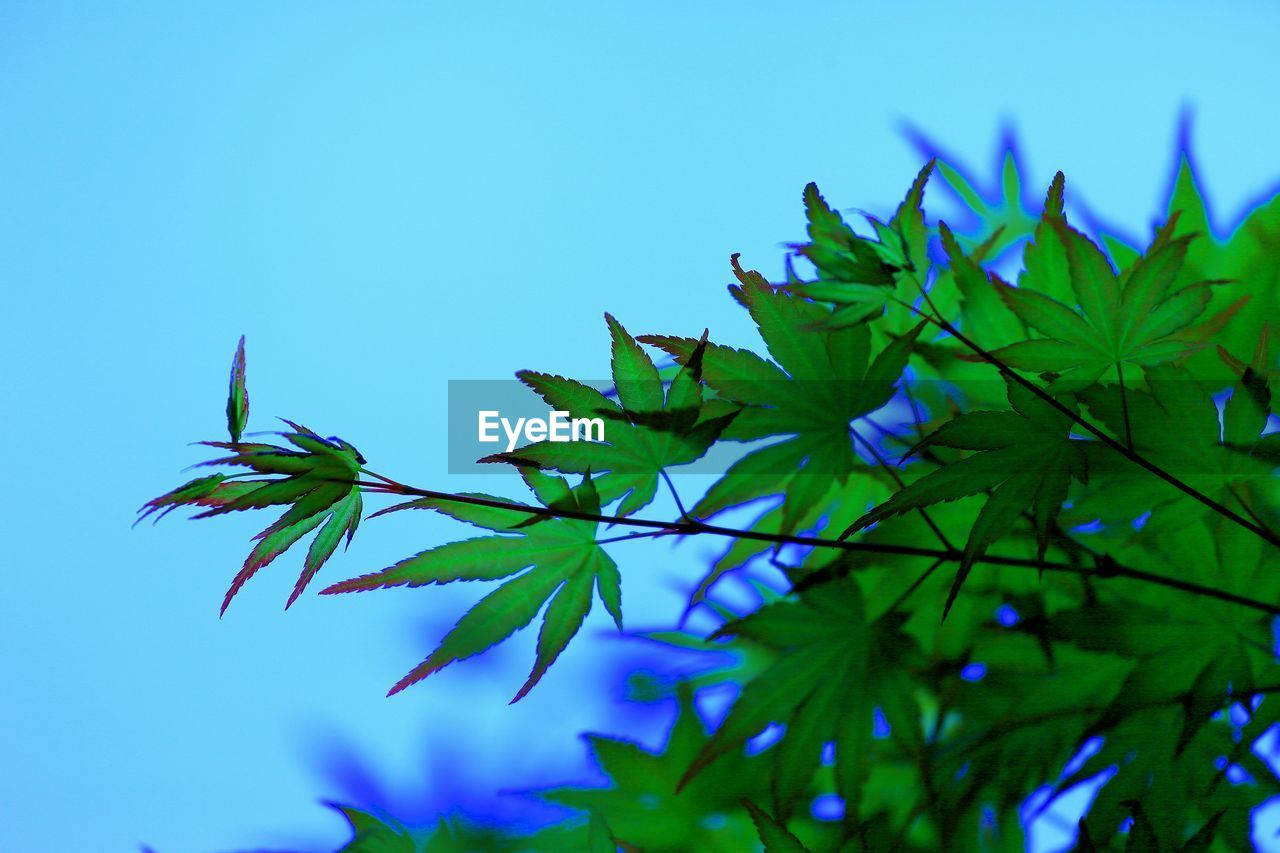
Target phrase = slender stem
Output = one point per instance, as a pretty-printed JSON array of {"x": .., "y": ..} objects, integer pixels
[
  {"x": 1134, "y": 457},
  {"x": 1124, "y": 407},
  {"x": 674, "y": 494},
  {"x": 915, "y": 411},
  {"x": 1246, "y": 506},
  {"x": 897, "y": 479},
  {"x": 915, "y": 584},
  {"x": 627, "y": 537},
  {"x": 926, "y": 453},
  {"x": 692, "y": 526}
]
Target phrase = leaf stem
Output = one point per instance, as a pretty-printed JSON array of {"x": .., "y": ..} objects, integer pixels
[
  {"x": 915, "y": 584},
  {"x": 674, "y": 494},
  {"x": 1124, "y": 407},
  {"x": 627, "y": 537},
  {"x": 897, "y": 479}
]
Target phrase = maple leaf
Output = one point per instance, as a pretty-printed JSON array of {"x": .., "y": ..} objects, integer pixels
[
  {"x": 985, "y": 316},
  {"x": 1117, "y": 669},
  {"x": 1175, "y": 424},
  {"x": 823, "y": 684},
  {"x": 315, "y": 478},
  {"x": 773, "y": 835},
  {"x": 821, "y": 380},
  {"x": 1025, "y": 458},
  {"x": 1001, "y": 216},
  {"x": 316, "y": 481},
  {"x": 1181, "y": 791},
  {"x": 371, "y": 833},
  {"x": 1257, "y": 376},
  {"x": 554, "y": 559},
  {"x": 646, "y": 431},
  {"x": 641, "y": 803},
  {"x": 1137, "y": 318},
  {"x": 238, "y": 396},
  {"x": 375, "y": 834},
  {"x": 1249, "y": 256},
  {"x": 858, "y": 275}
]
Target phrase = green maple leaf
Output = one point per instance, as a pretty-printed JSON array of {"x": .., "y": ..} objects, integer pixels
[
  {"x": 1138, "y": 318},
  {"x": 212, "y": 490},
  {"x": 555, "y": 559},
  {"x": 1175, "y": 424},
  {"x": 371, "y": 834},
  {"x": 985, "y": 316},
  {"x": 1249, "y": 258},
  {"x": 1258, "y": 376},
  {"x": 821, "y": 380},
  {"x": 823, "y": 685},
  {"x": 315, "y": 478},
  {"x": 646, "y": 431},
  {"x": 1145, "y": 670},
  {"x": 1002, "y": 217},
  {"x": 641, "y": 803},
  {"x": 773, "y": 835},
  {"x": 1024, "y": 721},
  {"x": 729, "y": 664},
  {"x": 1025, "y": 458},
  {"x": 1103, "y": 669},
  {"x": 859, "y": 275},
  {"x": 238, "y": 396},
  {"x": 1182, "y": 793},
  {"x": 599, "y": 836}
]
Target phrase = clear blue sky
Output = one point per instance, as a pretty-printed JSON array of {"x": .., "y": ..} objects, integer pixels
[{"x": 384, "y": 196}]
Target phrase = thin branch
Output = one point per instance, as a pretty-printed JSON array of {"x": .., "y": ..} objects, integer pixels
[
  {"x": 1134, "y": 457},
  {"x": 691, "y": 526},
  {"x": 916, "y": 420},
  {"x": 1063, "y": 541},
  {"x": 915, "y": 584},
  {"x": 897, "y": 479}
]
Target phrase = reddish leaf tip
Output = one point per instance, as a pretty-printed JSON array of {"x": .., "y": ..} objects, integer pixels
[{"x": 402, "y": 684}]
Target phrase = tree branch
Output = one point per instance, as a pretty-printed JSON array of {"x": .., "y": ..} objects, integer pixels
[
  {"x": 1133, "y": 456},
  {"x": 691, "y": 526}
]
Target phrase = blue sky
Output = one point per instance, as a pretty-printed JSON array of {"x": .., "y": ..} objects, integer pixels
[{"x": 386, "y": 196}]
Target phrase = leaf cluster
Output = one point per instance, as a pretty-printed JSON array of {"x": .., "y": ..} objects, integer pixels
[{"x": 1022, "y": 536}]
